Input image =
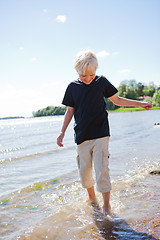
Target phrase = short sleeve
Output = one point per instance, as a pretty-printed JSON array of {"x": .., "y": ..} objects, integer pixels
[
  {"x": 108, "y": 89},
  {"x": 68, "y": 99}
]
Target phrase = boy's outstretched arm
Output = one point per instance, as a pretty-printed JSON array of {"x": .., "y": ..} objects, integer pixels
[
  {"x": 67, "y": 118},
  {"x": 130, "y": 103}
]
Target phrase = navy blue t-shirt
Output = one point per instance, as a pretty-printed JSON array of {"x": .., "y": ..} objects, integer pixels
[{"x": 91, "y": 117}]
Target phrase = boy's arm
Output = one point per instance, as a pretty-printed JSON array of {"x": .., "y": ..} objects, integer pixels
[
  {"x": 130, "y": 103},
  {"x": 67, "y": 118}
]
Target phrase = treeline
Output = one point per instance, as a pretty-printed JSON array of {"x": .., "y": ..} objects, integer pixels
[
  {"x": 128, "y": 89},
  {"x": 8, "y": 118},
  {"x": 137, "y": 91},
  {"x": 50, "y": 111}
]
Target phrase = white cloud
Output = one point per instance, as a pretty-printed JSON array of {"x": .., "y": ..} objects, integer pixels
[
  {"x": 34, "y": 59},
  {"x": 21, "y": 48},
  {"x": 125, "y": 70},
  {"x": 61, "y": 18},
  {"x": 102, "y": 54}
]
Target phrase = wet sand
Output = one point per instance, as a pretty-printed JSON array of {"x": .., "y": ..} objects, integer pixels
[{"x": 150, "y": 226}]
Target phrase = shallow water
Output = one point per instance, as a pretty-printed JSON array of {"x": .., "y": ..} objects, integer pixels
[{"x": 40, "y": 193}]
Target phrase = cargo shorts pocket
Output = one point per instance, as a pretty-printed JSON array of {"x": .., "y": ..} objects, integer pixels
[{"x": 105, "y": 160}]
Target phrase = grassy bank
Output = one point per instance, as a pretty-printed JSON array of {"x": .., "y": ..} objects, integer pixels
[{"x": 131, "y": 109}]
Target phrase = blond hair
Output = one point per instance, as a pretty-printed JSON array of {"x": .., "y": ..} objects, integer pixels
[{"x": 86, "y": 62}]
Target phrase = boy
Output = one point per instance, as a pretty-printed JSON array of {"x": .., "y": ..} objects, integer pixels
[{"x": 84, "y": 99}]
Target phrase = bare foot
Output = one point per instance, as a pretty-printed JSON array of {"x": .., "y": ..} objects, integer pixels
[
  {"x": 107, "y": 213},
  {"x": 93, "y": 202}
]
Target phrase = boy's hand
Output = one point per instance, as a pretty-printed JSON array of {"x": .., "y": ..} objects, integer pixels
[
  {"x": 60, "y": 139},
  {"x": 146, "y": 105}
]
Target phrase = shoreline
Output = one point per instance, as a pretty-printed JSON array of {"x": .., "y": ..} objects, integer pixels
[
  {"x": 131, "y": 109},
  {"x": 121, "y": 109}
]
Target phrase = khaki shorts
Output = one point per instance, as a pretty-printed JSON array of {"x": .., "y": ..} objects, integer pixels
[{"x": 94, "y": 151}]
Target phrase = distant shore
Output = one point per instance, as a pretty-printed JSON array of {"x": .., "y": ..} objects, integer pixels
[
  {"x": 131, "y": 109},
  {"x": 6, "y": 118},
  {"x": 121, "y": 109}
]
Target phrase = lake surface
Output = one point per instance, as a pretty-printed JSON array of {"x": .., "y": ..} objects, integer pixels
[{"x": 40, "y": 193}]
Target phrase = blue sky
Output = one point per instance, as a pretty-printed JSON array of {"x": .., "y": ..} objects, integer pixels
[{"x": 40, "y": 39}]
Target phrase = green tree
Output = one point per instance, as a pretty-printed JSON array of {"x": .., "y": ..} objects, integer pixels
[
  {"x": 139, "y": 89},
  {"x": 127, "y": 92},
  {"x": 149, "y": 90},
  {"x": 50, "y": 111},
  {"x": 130, "y": 93},
  {"x": 122, "y": 89},
  {"x": 156, "y": 98}
]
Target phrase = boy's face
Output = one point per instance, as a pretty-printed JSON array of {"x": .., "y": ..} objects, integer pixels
[{"x": 87, "y": 78}]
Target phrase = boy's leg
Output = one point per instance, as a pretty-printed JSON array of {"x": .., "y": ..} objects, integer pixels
[
  {"x": 91, "y": 194},
  {"x": 106, "y": 206},
  {"x": 84, "y": 160},
  {"x": 100, "y": 158}
]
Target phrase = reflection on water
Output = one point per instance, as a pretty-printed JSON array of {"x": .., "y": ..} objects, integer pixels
[
  {"x": 116, "y": 228},
  {"x": 40, "y": 193}
]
